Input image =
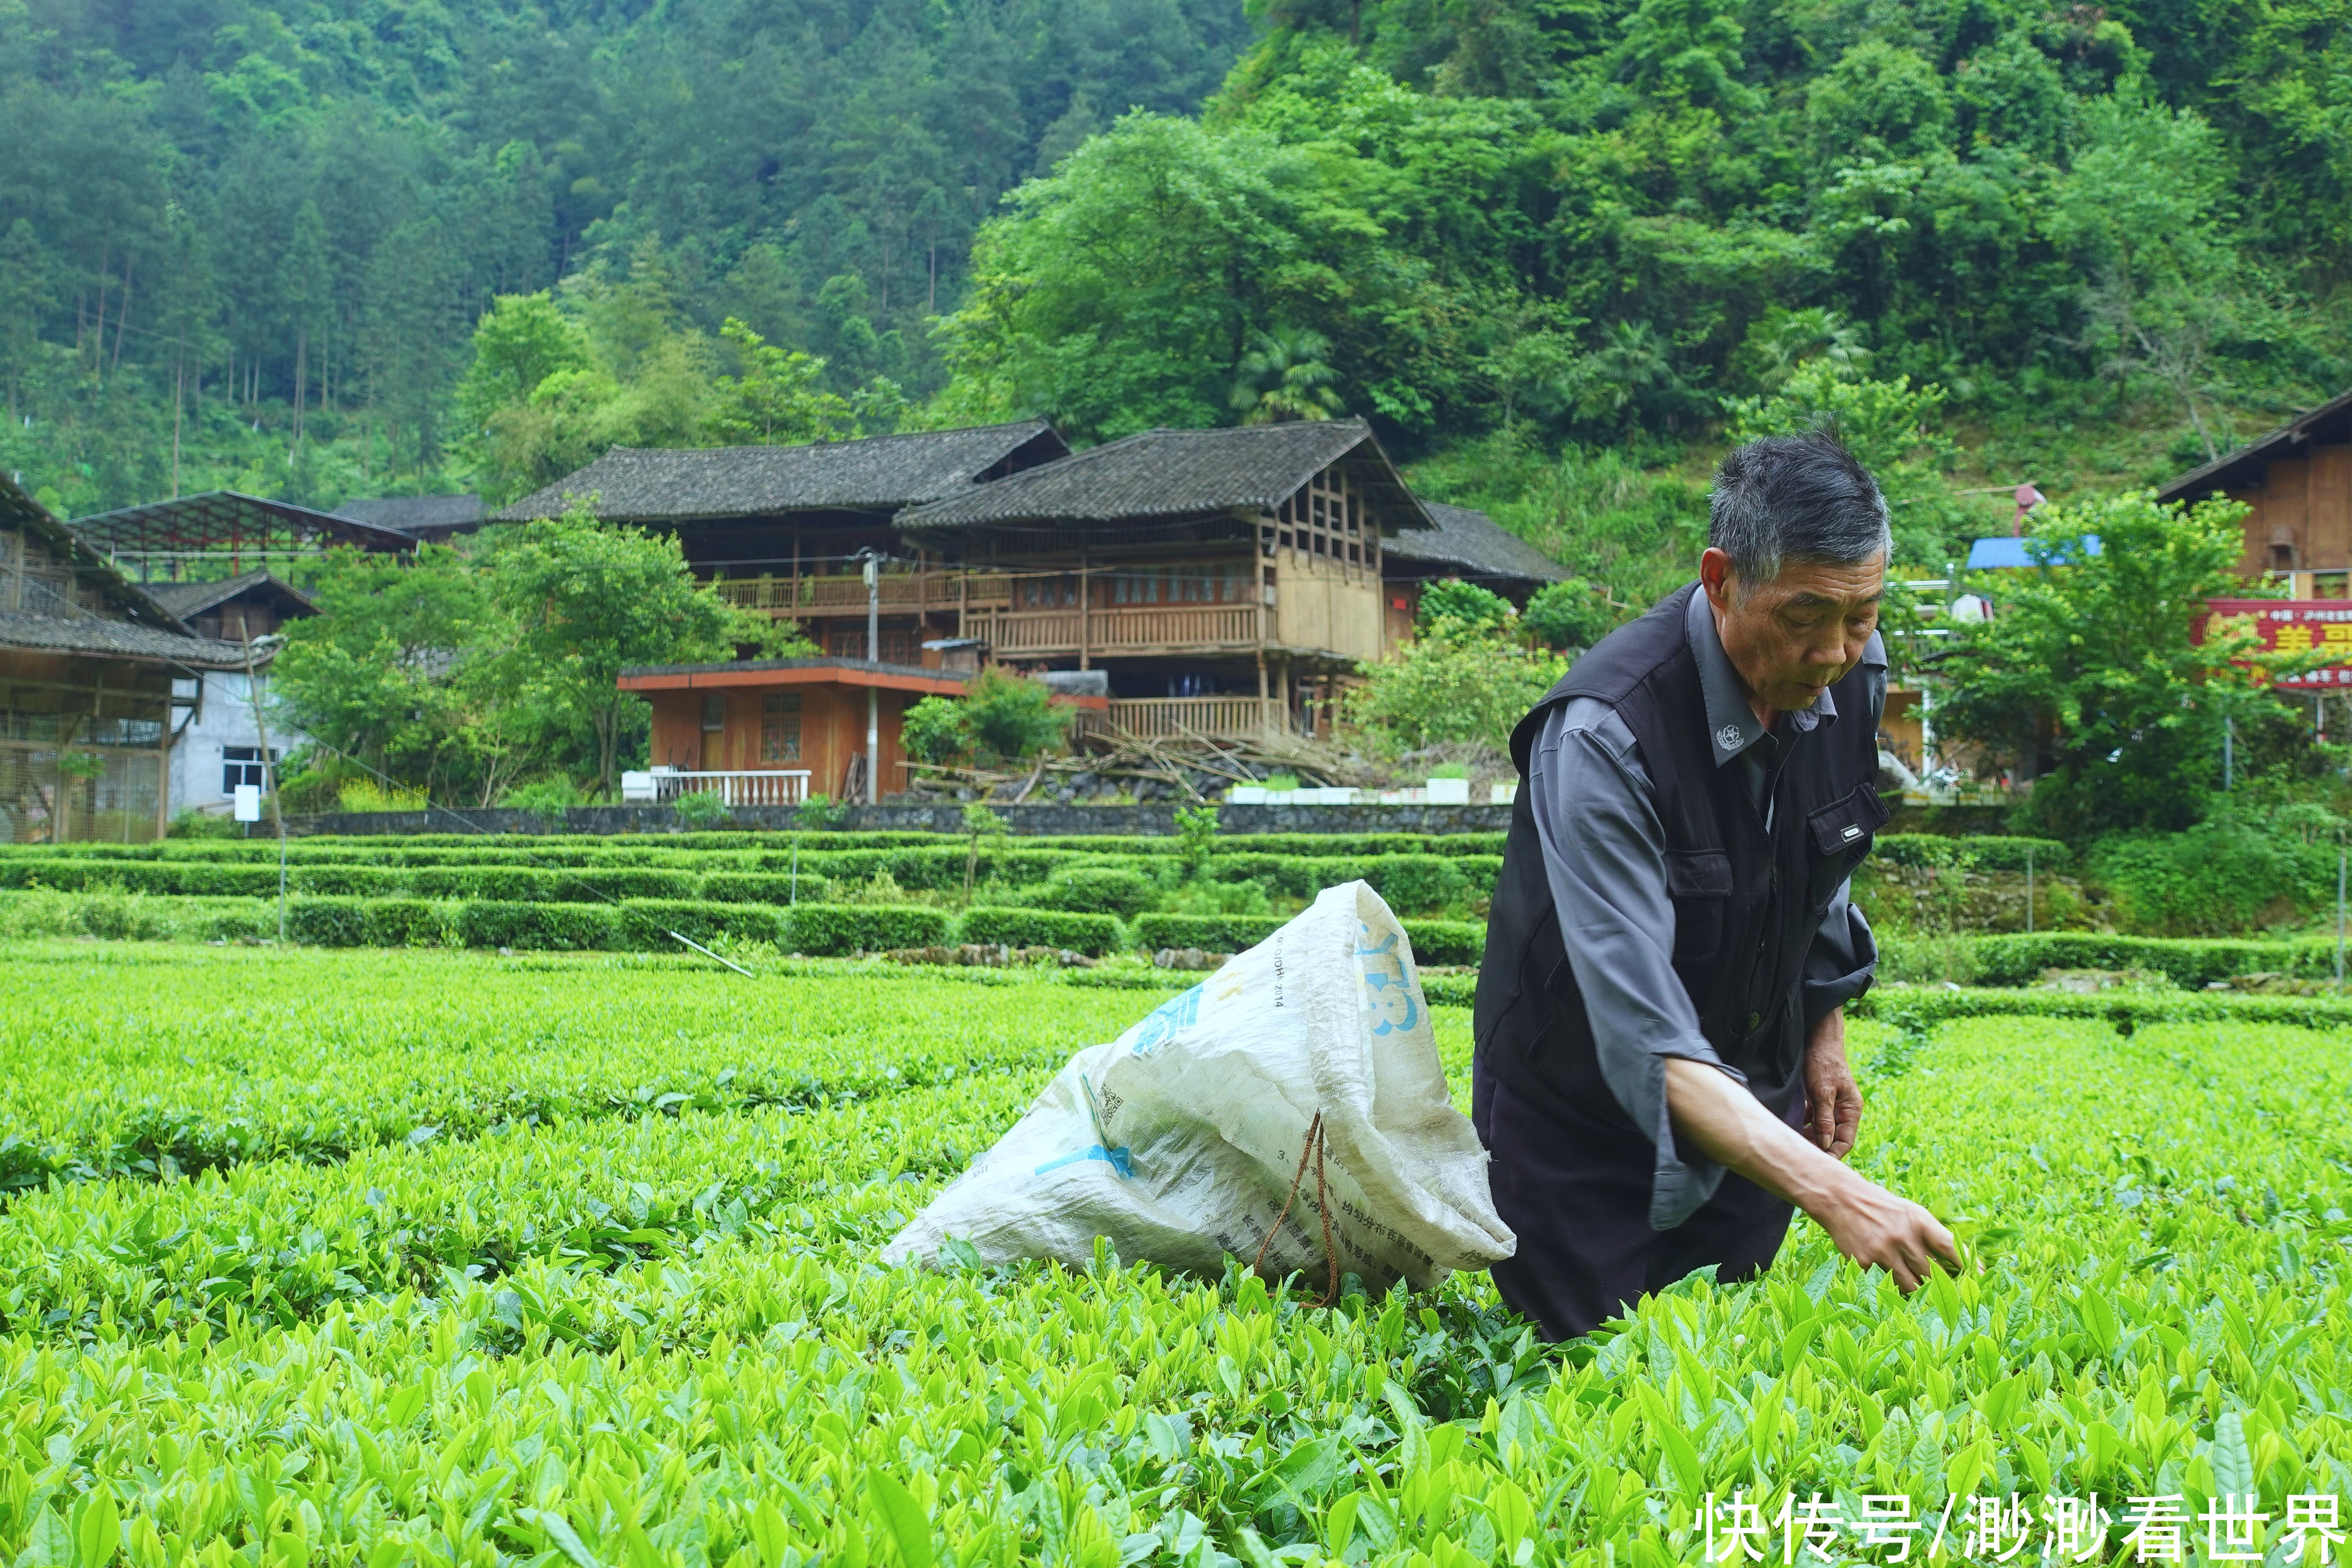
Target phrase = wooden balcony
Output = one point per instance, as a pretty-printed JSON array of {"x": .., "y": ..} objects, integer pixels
[
  {"x": 1158, "y": 629},
  {"x": 987, "y": 605},
  {"x": 1175, "y": 718}
]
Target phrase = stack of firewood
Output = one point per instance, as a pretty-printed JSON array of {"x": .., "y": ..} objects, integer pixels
[{"x": 1187, "y": 766}]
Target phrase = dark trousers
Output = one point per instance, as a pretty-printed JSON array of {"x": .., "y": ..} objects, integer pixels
[{"x": 1575, "y": 1189}]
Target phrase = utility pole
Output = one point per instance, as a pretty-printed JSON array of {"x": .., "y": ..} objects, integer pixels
[
  {"x": 268, "y": 772},
  {"x": 872, "y": 561}
]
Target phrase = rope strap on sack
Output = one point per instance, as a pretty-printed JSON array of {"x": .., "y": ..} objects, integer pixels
[{"x": 1314, "y": 1150}]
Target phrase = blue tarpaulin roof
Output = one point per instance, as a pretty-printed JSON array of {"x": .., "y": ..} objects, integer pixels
[{"x": 1993, "y": 554}]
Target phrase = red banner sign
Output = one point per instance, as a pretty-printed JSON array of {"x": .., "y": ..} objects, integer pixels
[{"x": 2293, "y": 627}]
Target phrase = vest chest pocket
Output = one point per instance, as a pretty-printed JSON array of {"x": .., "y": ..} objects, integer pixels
[
  {"x": 1842, "y": 833},
  {"x": 1699, "y": 883}
]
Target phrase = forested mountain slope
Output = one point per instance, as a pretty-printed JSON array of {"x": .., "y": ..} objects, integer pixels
[
  {"x": 1557, "y": 242},
  {"x": 1557, "y": 249},
  {"x": 223, "y": 206}
]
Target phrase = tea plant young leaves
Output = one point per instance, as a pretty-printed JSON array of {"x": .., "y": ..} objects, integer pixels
[
  {"x": 661, "y": 1342},
  {"x": 161, "y": 1061}
]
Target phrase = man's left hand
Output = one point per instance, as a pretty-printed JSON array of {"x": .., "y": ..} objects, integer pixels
[{"x": 1832, "y": 1104}]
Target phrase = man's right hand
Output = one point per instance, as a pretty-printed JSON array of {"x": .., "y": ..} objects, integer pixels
[
  {"x": 1868, "y": 1224},
  {"x": 1881, "y": 1230}
]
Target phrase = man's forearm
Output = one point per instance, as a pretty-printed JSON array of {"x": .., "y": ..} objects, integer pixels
[
  {"x": 1876, "y": 1227},
  {"x": 1730, "y": 1127}
]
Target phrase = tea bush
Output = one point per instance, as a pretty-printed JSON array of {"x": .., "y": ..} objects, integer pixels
[
  {"x": 1097, "y": 889},
  {"x": 569, "y": 1258},
  {"x": 1093, "y": 935},
  {"x": 822, "y": 929}
]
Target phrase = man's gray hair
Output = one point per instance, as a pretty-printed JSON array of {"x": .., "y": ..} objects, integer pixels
[{"x": 1795, "y": 497}]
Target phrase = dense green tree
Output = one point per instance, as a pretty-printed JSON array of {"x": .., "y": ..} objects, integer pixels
[
  {"x": 463, "y": 673},
  {"x": 1453, "y": 682},
  {"x": 551, "y": 388},
  {"x": 1012, "y": 718},
  {"x": 383, "y": 676},
  {"x": 1285, "y": 376},
  {"x": 24, "y": 300},
  {"x": 2167, "y": 286},
  {"x": 1129, "y": 287},
  {"x": 1567, "y": 615},
  {"x": 1465, "y": 605},
  {"x": 518, "y": 343},
  {"x": 584, "y": 599},
  {"x": 1002, "y": 719},
  {"x": 303, "y": 293},
  {"x": 1892, "y": 428},
  {"x": 777, "y": 399},
  {"x": 2090, "y": 683},
  {"x": 1609, "y": 222}
]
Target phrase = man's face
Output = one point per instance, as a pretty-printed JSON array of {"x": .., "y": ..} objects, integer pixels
[{"x": 1792, "y": 637}]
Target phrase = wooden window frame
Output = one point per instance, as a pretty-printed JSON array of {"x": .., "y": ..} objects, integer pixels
[{"x": 780, "y": 727}]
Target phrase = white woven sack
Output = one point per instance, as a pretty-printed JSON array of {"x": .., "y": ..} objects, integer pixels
[{"x": 1181, "y": 1140}]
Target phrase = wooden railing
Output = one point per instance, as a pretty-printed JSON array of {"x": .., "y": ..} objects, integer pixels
[
  {"x": 1167, "y": 718},
  {"x": 1116, "y": 631},
  {"x": 764, "y": 786},
  {"x": 986, "y": 601},
  {"x": 898, "y": 593}
]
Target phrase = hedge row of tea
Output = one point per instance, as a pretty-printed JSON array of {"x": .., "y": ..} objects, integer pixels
[
  {"x": 746, "y": 851},
  {"x": 571, "y": 1261},
  {"x": 1999, "y": 962},
  {"x": 815, "y": 930},
  {"x": 1123, "y": 878},
  {"x": 1080, "y": 883}
]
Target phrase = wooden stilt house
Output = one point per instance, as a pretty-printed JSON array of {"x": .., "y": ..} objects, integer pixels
[
  {"x": 97, "y": 682},
  {"x": 1226, "y": 581},
  {"x": 2297, "y": 483},
  {"x": 781, "y": 529}
]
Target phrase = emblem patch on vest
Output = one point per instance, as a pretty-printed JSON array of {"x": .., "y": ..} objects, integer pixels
[
  {"x": 1727, "y": 738},
  {"x": 1852, "y": 834}
]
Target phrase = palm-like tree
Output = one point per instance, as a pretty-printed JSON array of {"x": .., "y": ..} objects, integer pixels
[
  {"x": 1285, "y": 376},
  {"x": 1814, "y": 333}
]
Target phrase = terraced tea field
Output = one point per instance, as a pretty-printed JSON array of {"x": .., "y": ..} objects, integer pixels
[{"x": 380, "y": 1257}]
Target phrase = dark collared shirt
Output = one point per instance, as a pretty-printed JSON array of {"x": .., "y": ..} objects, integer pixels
[{"x": 1604, "y": 857}]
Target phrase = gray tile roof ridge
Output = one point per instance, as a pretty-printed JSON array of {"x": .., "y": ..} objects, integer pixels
[
  {"x": 185, "y": 599},
  {"x": 1465, "y": 536},
  {"x": 408, "y": 513},
  {"x": 853, "y": 473},
  {"x": 1086, "y": 493},
  {"x": 129, "y": 639}
]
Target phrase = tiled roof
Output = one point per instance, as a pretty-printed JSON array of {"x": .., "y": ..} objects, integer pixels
[
  {"x": 2328, "y": 425},
  {"x": 1475, "y": 544},
  {"x": 187, "y": 599},
  {"x": 879, "y": 473},
  {"x": 94, "y": 634},
  {"x": 417, "y": 515},
  {"x": 1180, "y": 473},
  {"x": 21, "y": 510},
  {"x": 144, "y": 629}
]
